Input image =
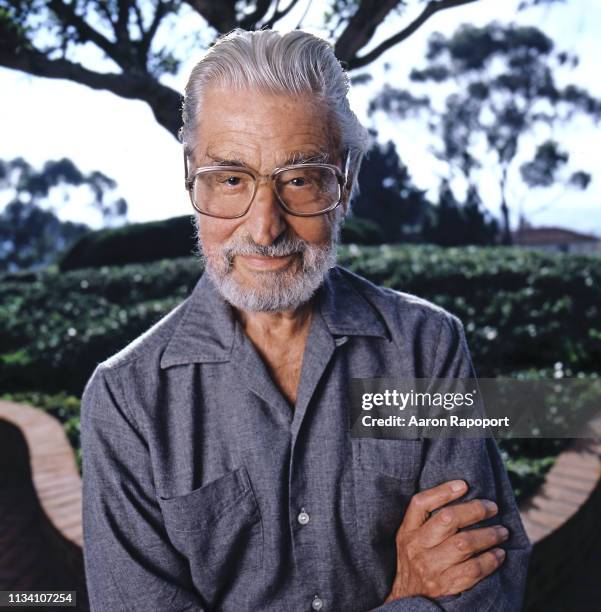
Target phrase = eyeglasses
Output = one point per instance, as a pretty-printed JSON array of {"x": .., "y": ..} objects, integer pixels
[{"x": 303, "y": 190}]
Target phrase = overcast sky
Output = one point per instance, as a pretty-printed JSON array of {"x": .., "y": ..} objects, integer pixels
[{"x": 43, "y": 119}]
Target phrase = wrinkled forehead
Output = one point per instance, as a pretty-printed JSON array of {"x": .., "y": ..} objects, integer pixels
[{"x": 264, "y": 128}]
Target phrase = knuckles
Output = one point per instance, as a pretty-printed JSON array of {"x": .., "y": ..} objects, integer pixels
[
  {"x": 432, "y": 588},
  {"x": 473, "y": 571},
  {"x": 463, "y": 542},
  {"x": 412, "y": 548},
  {"x": 446, "y": 516},
  {"x": 421, "y": 566},
  {"x": 418, "y": 501}
]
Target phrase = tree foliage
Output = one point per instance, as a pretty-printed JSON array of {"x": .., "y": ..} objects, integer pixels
[
  {"x": 139, "y": 39},
  {"x": 453, "y": 223},
  {"x": 387, "y": 194},
  {"x": 31, "y": 235},
  {"x": 500, "y": 87},
  {"x": 389, "y": 198}
]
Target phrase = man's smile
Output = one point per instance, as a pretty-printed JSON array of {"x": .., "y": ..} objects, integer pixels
[{"x": 262, "y": 263}]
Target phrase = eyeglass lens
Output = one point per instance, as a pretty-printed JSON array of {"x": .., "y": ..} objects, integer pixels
[{"x": 229, "y": 193}]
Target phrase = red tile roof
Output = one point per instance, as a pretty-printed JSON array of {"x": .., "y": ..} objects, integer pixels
[{"x": 531, "y": 236}]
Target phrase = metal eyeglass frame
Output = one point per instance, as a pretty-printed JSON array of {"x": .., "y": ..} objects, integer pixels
[{"x": 342, "y": 178}]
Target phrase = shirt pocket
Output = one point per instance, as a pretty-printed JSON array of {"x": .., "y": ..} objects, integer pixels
[
  {"x": 217, "y": 527},
  {"x": 385, "y": 477}
]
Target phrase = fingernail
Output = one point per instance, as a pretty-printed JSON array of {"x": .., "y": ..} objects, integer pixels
[
  {"x": 458, "y": 485},
  {"x": 503, "y": 532},
  {"x": 499, "y": 553},
  {"x": 490, "y": 505}
]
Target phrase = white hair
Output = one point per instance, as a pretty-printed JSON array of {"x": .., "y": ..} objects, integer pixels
[{"x": 293, "y": 63}]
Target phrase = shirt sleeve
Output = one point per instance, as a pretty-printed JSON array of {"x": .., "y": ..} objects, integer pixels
[
  {"x": 478, "y": 462},
  {"x": 130, "y": 563}
]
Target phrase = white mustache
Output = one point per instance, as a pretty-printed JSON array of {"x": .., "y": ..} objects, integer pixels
[{"x": 288, "y": 246}]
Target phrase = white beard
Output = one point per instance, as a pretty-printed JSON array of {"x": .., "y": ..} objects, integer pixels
[{"x": 277, "y": 290}]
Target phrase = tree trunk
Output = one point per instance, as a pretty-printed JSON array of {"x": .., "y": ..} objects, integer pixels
[{"x": 506, "y": 238}]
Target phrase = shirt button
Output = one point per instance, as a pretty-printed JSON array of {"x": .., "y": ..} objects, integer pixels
[
  {"x": 317, "y": 603},
  {"x": 303, "y": 518}
]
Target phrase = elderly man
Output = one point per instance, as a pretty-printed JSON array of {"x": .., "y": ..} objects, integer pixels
[{"x": 219, "y": 470}]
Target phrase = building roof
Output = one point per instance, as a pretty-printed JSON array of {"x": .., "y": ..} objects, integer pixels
[{"x": 540, "y": 236}]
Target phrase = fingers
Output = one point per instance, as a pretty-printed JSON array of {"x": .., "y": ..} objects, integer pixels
[
  {"x": 465, "y": 575},
  {"x": 452, "y": 518},
  {"x": 427, "y": 501},
  {"x": 465, "y": 544}
]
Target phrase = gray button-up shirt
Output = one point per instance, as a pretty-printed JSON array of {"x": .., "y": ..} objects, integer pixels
[{"x": 204, "y": 489}]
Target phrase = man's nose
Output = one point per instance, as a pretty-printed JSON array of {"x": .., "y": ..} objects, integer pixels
[{"x": 266, "y": 219}]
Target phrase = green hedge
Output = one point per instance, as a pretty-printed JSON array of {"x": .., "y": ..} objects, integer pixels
[
  {"x": 521, "y": 309},
  {"x": 56, "y": 328},
  {"x": 133, "y": 243}
]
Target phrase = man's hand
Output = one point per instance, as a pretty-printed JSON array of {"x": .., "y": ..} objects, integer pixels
[{"x": 434, "y": 558}]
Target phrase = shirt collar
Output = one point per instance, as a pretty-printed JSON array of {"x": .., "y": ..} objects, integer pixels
[
  {"x": 206, "y": 331},
  {"x": 345, "y": 309}
]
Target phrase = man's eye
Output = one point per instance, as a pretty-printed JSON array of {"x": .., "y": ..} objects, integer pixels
[
  {"x": 299, "y": 181},
  {"x": 231, "y": 180}
]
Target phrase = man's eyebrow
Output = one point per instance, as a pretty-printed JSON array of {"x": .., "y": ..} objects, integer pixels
[
  {"x": 223, "y": 161},
  {"x": 296, "y": 157},
  {"x": 315, "y": 157}
]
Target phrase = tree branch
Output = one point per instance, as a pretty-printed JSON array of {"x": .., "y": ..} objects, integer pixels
[
  {"x": 121, "y": 25},
  {"x": 163, "y": 101},
  {"x": 304, "y": 15},
  {"x": 86, "y": 33},
  {"x": 251, "y": 20},
  {"x": 431, "y": 9},
  {"x": 361, "y": 27},
  {"x": 219, "y": 15},
  {"x": 105, "y": 10},
  {"x": 139, "y": 18},
  {"x": 277, "y": 15},
  {"x": 161, "y": 10}
]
